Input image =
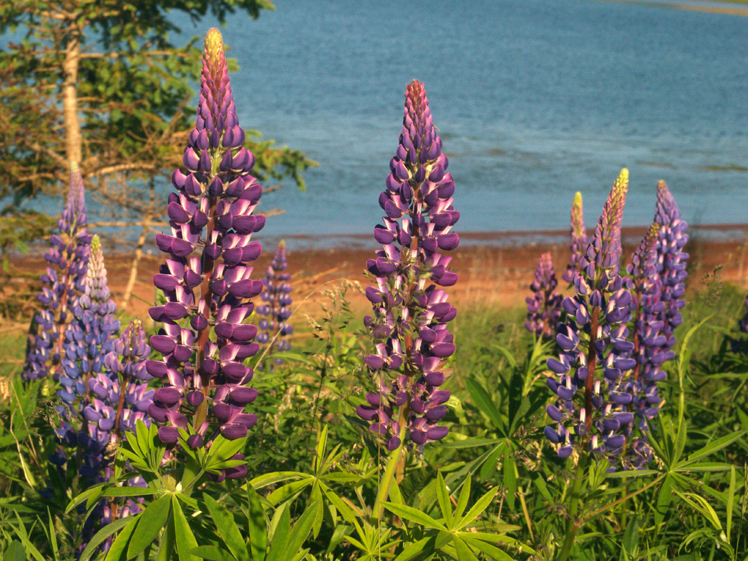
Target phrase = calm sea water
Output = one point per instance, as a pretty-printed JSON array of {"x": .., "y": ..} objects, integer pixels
[{"x": 535, "y": 99}]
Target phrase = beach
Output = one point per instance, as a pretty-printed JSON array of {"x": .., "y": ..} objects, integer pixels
[{"x": 495, "y": 268}]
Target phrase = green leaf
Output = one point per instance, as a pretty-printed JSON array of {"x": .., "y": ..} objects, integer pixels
[
  {"x": 15, "y": 552},
  {"x": 469, "y": 443},
  {"x": 275, "y": 477},
  {"x": 510, "y": 481},
  {"x": 152, "y": 519},
  {"x": 630, "y": 541},
  {"x": 485, "y": 404},
  {"x": 131, "y": 492},
  {"x": 280, "y": 527},
  {"x": 730, "y": 502},
  {"x": 103, "y": 534},
  {"x": 700, "y": 504},
  {"x": 289, "y": 490},
  {"x": 462, "y": 501},
  {"x": 477, "y": 509},
  {"x": 300, "y": 532},
  {"x": 492, "y": 551},
  {"x": 117, "y": 550},
  {"x": 227, "y": 529},
  {"x": 185, "y": 539},
  {"x": 442, "y": 495},
  {"x": 408, "y": 513},
  {"x": 92, "y": 492},
  {"x": 463, "y": 550},
  {"x": 663, "y": 500},
  {"x": 258, "y": 528},
  {"x": 212, "y": 553},
  {"x": 414, "y": 549},
  {"x": 715, "y": 446}
]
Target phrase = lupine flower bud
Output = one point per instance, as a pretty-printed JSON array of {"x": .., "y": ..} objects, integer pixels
[
  {"x": 211, "y": 212},
  {"x": 544, "y": 306},
  {"x": 63, "y": 282},
  {"x": 671, "y": 261},
  {"x": 274, "y": 328},
  {"x": 411, "y": 312},
  {"x": 595, "y": 352},
  {"x": 577, "y": 238}
]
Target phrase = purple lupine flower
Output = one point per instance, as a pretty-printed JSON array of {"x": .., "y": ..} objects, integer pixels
[
  {"x": 63, "y": 282},
  {"x": 544, "y": 306},
  {"x": 671, "y": 261},
  {"x": 88, "y": 339},
  {"x": 577, "y": 238},
  {"x": 409, "y": 325},
  {"x": 591, "y": 408},
  {"x": 211, "y": 211},
  {"x": 641, "y": 382},
  {"x": 87, "y": 424},
  {"x": 743, "y": 323},
  {"x": 274, "y": 328},
  {"x": 124, "y": 384}
]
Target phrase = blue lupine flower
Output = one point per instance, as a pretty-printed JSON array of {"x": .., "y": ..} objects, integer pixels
[
  {"x": 544, "y": 306},
  {"x": 63, "y": 283},
  {"x": 591, "y": 409},
  {"x": 641, "y": 382},
  {"x": 274, "y": 327},
  {"x": 671, "y": 261}
]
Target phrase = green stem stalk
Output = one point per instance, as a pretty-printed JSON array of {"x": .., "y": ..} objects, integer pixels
[
  {"x": 572, "y": 525},
  {"x": 389, "y": 474}
]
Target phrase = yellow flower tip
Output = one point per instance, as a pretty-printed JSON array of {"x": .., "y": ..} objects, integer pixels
[
  {"x": 95, "y": 243},
  {"x": 577, "y": 199},
  {"x": 623, "y": 177},
  {"x": 282, "y": 244},
  {"x": 213, "y": 42},
  {"x": 74, "y": 168}
]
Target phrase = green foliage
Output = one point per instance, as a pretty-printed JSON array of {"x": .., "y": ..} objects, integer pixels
[
  {"x": 492, "y": 489},
  {"x": 132, "y": 86}
]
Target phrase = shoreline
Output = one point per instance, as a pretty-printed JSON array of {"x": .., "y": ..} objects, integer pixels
[{"x": 495, "y": 268}]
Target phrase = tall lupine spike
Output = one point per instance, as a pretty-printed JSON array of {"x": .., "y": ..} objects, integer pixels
[
  {"x": 63, "y": 283},
  {"x": 204, "y": 377},
  {"x": 88, "y": 339},
  {"x": 641, "y": 382},
  {"x": 671, "y": 261},
  {"x": 591, "y": 409},
  {"x": 544, "y": 306},
  {"x": 577, "y": 238},
  {"x": 274, "y": 328},
  {"x": 409, "y": 325},
  {"x": 87, "y": 424}
]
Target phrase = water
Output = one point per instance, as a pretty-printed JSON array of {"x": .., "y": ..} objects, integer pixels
[{"x": 534, "y": 100}]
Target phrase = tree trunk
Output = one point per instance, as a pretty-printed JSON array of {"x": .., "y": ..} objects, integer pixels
[{"x": 73, "y": 139}]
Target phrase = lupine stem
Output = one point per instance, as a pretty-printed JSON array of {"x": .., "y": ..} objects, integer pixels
[
  {"x": 572, "y": 525},
  {"x": 591, "y": 364},
  {"x": 389, "y": 474}
]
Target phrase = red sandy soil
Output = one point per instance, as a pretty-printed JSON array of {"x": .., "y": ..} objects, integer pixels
[{"x": 495, "y": 268}]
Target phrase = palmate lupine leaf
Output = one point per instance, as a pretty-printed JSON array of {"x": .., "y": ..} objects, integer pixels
[{"x": 454, "y": 531}]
